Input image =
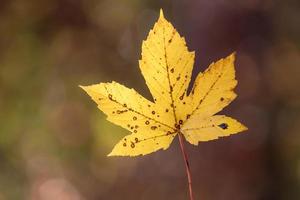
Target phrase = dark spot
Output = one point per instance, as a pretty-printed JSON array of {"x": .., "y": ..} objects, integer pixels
[
  {"x": 149, "y": 106},
  {"x": 124, "y": 144},
  {"x": 181, "y": 97},
  {"x": 188, "y": 116},
  {"x": 125, "y": 139},
  {"x": 157, "y": 115},
  {"x": 132, "y": 145},
  {"x": 178, "y": 78},
  {"x": 172, "y": 105},
  {"x": 154, "y": 32},
  {"x": 134, "y": 118},
  {"x": 167, "y": 110},
  {"x": 177, "y": 126},
  {"x": 147, "y": 122},
  {"x": 136, "y": 139},
  {"x": 125, "y": 105},
  {"x": 172, "y": 70},
  {"x": 223, "y": 126},
  {"x": 169, "y": 133},
  {"x": 180, "y": 121},
  {"x": 222, "y": 99},
  {"x": 113, "y": 112},
  {"x": 121, "y": 111},
  {"x": 170, "y": 40},
  {"x": 136, "y": 126},
  {"x": 184, "y": 102},
  {"x": 154, "y": 99},
  {"x": 185, "y": 76},
  {"x": 153, "y": 112},
  {"x": 153, "y": 127},
  {"x": 157, "y": 143},
  {"x": 128, "y": 125},
  {"x": 135, "y": 131},
  {"x": 171, "y": 88},
  {"x": 132, "y": 127}
]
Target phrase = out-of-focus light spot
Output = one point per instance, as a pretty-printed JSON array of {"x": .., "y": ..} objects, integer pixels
[
  {"x": 42, "y": 166},
  {"x": 58, "y": 189},
  {"x": 283, "y": 71},
  {"x": 126, "y": 45},
  {"x": 111, "y": 15}
]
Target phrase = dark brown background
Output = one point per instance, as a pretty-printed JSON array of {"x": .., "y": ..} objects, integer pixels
[{"x": 54, "y": 142}]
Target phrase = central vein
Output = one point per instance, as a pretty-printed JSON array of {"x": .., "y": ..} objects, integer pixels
[{"x": 168, "y": 76}]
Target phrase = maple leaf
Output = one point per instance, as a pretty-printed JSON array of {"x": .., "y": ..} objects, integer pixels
[{"x": 166, "y": 65}]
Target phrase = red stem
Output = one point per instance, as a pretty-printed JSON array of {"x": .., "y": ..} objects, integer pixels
[{"x": 187, "y": 165}]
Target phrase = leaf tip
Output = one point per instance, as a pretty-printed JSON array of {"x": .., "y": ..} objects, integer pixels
[
  {"x": 83, "y": 87},
  {"x": 232, "y": 55},
  {"x": 161, "y": 14},
  {"x": 110, "y": 154}
]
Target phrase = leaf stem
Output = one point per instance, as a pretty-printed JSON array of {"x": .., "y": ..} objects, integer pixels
[{"x": 187, "y": 165}]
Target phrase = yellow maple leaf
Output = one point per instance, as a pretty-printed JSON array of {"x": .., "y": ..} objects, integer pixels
[{"x": 166, "y": 65}]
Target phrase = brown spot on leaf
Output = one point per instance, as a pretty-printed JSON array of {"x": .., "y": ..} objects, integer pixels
[
  {"x": 132, "y": 145},
  {"x": 223, "y": 126}
]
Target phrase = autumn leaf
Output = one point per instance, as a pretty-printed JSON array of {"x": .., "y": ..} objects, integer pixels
[{"x": 166, "y": 65}]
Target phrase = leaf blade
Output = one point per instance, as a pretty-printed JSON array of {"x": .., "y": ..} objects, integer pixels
[{"x": 199, "y": 129}]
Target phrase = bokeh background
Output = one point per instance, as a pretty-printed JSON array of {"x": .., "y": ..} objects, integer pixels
[{"x": 54, "y": 141}]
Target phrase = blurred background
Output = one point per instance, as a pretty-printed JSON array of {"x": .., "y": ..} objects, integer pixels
[{"x": 54, "y": 141}]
